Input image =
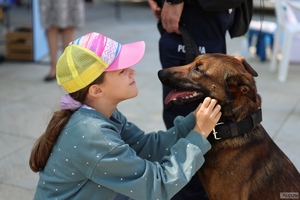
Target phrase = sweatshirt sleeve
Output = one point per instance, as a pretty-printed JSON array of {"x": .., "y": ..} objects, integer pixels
[
  {"x": 124, "y": 172},
  {"x": 154, "y": 145}
]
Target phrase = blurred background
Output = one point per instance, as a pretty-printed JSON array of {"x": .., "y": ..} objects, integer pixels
[{"x": 27, "y": 102}]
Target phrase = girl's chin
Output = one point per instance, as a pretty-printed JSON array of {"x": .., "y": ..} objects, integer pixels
[{"x": 135, "y": 94}]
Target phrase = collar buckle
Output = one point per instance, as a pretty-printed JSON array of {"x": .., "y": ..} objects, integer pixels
[{"x": 215, "y": 132}]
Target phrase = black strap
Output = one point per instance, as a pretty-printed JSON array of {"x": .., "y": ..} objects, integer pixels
[
  {"x": 228, "y": 130},
  {"x": 191, "y": 48}
]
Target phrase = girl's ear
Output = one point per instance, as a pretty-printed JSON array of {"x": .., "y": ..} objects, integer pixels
[{"x": 95, "y": 90}]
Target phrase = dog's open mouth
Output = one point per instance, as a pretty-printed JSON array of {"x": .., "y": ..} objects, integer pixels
[{"x": 183, "y": 97}]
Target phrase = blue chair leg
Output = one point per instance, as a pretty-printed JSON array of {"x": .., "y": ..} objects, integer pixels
[{"x": 261, "y": 47}]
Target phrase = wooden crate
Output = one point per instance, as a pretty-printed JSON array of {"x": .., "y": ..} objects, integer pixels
[
  {"x": 19, "y": 45},
  {"x": 1, "y": 14}
]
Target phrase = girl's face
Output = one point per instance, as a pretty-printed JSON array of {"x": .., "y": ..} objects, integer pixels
[{"x": 119, "y": 85}]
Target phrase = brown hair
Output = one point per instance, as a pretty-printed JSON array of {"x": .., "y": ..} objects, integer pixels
[{"x": 43, "y": 146}]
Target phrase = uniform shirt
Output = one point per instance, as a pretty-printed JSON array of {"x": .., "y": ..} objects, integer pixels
[{"x": 95, "y": 157}]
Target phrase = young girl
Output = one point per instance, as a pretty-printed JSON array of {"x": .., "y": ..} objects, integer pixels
[{"x": 89, "y": 149}]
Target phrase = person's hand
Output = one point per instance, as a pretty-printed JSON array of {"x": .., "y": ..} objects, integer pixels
[
  {"x": 155, "y": 8},
  {"x": 207, "y": 115},
  {"x": 170, "y": 17}
]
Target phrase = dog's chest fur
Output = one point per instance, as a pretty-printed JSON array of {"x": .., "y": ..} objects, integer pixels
[{"x": 248, "y": 167}]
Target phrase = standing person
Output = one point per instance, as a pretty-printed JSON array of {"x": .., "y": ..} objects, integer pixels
[
  {"x": 89, "y": 149},
  {"x": 60, "y": 18},
  {"x": 208, "y": 29}
]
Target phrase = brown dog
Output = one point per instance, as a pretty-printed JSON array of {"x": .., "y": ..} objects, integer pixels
[{"x": 244, "y": 162}]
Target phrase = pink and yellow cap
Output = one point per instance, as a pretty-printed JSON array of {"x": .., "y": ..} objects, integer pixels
[{"x": 87, "y": 57}]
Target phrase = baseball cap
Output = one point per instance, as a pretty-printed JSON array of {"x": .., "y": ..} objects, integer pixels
[{"x": 87, "y": 57}]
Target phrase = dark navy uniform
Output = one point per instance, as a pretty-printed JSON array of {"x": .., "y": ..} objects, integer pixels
[{"x": 208, "y": 30}]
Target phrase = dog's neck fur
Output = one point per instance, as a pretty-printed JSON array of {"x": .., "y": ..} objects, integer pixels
[
  {"x": 233, "y": 111},
  {"x": 236, "y": 108},
  {"x": 235, "y": 116}
]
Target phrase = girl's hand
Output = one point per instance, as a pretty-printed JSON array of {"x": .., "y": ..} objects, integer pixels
[{"x": 207, "y": 115}]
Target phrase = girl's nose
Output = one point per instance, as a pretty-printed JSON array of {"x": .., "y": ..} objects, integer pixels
[{"x": 131, "y": 72}]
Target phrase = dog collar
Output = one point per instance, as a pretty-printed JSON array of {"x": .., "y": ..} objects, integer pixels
[{"x": 225, "y": 130}]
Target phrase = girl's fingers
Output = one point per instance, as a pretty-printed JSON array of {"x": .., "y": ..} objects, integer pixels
[
  {"x": 209, "y": 103},
  {"x": 214, "y": 108},
  {"x": 206, "y": 102},
  {"x": 212, "y": 103},
  {"x": 216, "y": 113}
]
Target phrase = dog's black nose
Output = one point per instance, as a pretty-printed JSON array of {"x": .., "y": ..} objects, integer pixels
[{"x": 161, "y": 75}]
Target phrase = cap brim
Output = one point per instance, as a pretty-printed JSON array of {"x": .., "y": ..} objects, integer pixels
[{"x": 130, "y": 54}]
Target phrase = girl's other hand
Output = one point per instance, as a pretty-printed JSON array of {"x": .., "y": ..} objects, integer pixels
[{"x": 207, "y": 116}]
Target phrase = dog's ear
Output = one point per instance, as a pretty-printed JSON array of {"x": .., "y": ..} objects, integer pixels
[
  {"x": 246, "y": 65},
  {"x": 241, "y": 85}
]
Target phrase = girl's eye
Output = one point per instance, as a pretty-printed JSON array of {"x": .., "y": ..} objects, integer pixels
[{"x": 122, "y": 70}]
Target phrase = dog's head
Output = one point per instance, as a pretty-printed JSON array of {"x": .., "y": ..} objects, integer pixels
[{"x": 226, "y": 78}]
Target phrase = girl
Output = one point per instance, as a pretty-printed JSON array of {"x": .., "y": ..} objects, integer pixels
[{"x": 89, "y": 149}]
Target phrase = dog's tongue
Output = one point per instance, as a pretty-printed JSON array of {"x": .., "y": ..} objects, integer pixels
[{"x": 176, "y": 94}]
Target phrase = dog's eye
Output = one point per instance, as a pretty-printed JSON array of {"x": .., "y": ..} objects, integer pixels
[{"x": 198, "y": 70}]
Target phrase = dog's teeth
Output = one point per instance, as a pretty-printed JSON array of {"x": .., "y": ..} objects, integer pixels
[
  {"x": 188, "y": 97},
  {"x": 195, "y": 94}
]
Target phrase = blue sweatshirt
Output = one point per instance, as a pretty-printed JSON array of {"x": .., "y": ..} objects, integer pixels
[{"x": 95, "y": 158}]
